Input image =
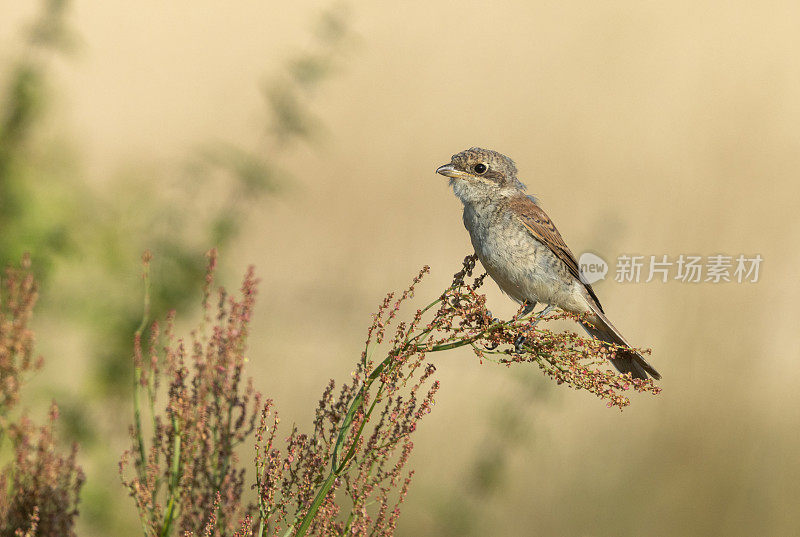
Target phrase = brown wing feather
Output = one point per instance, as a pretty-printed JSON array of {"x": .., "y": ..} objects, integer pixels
[{"x": 542, "y": 228}]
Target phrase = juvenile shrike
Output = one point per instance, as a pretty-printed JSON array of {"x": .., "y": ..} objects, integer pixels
[{"x": 522, "y": 250}]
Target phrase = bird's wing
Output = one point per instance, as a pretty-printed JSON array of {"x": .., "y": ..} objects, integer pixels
[{"x": 542, "y": 228}]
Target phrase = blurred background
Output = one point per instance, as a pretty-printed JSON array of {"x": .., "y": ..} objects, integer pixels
[{"x": 303, "y": 137}]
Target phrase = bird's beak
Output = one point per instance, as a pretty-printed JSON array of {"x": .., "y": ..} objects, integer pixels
[{"x": 448, "y": 170}]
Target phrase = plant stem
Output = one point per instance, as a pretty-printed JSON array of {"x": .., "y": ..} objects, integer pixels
[
  {"x": 312, "y": 511},
  {"x": 137, "y": 376},
  {"x": 174, "y": 478},
  {"x": 338, "y": 466}
]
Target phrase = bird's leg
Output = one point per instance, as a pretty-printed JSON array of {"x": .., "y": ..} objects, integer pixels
[
  {"x": 527, "y": 309},
  {"x": 542, "y": 313},
  {"x": 529, "y": 305},
  {"x": 522, "y": 339},
  {"x": 493, "y": 320},
  {"x": 492, "y": 317}
]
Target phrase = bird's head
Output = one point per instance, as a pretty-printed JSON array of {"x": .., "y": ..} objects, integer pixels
[{"x": 482, "y": 175}]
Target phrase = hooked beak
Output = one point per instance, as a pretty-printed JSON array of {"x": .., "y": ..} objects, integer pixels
[{"x": 448, "y": 170}]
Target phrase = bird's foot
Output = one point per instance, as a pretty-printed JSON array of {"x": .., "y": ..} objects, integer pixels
[
  {"x": 540, "y": 315},
  {"x": 522, "y": 338},
  {"x": 528, "y": 308},
  {"x": 493, "y": 319}
]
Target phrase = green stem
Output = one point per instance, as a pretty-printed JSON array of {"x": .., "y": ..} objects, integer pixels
[
  {"x": 174, "y": 478},
  {"x": 318, "y": 499},
  {"x": 348, "y": 420},
  {"x": 349, "y": 521},
  {"x": 137, "y": 420},
  {"x": 338, "y": 467},
  {"x": 454, "y": 344},
  {"x": 351, "y": 451},
  {"x": 137, "y": 379}
]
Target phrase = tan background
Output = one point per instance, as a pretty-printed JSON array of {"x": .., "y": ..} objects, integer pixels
[{"x": 644, "y": 127}]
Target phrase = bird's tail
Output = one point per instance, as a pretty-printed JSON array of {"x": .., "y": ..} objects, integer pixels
[{"x": 627, "y": 360}]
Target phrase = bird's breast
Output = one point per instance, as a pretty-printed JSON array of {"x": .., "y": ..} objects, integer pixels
[{"x": 523, "y": 267}]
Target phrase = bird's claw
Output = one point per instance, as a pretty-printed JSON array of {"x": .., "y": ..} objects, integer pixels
[
  {"x": 492, "y": 318},
  {"x": 544, "y": 312},
  {"x": 527, "y": 309},
  {"x": 520, "y": 342}
]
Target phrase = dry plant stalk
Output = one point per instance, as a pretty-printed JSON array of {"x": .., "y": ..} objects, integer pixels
[
  {"x": 189, "y": 473},
  {"x": 579, "y": 362},
  {"x": 348, "y": 474},
  {"x": 39, "y": 487},
  {"x": 18, "y": 295}
]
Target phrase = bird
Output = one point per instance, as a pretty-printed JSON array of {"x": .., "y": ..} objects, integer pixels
[{"x": 523, "y": 251}]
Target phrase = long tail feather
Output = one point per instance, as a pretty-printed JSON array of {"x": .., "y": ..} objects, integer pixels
[{"x": 626, "y": 361}]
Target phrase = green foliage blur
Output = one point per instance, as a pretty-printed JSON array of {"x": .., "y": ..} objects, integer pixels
[{"x": 85, "y": 241}]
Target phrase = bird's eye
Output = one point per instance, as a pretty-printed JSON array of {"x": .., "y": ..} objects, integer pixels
[{"x": 480, "y": 168}]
